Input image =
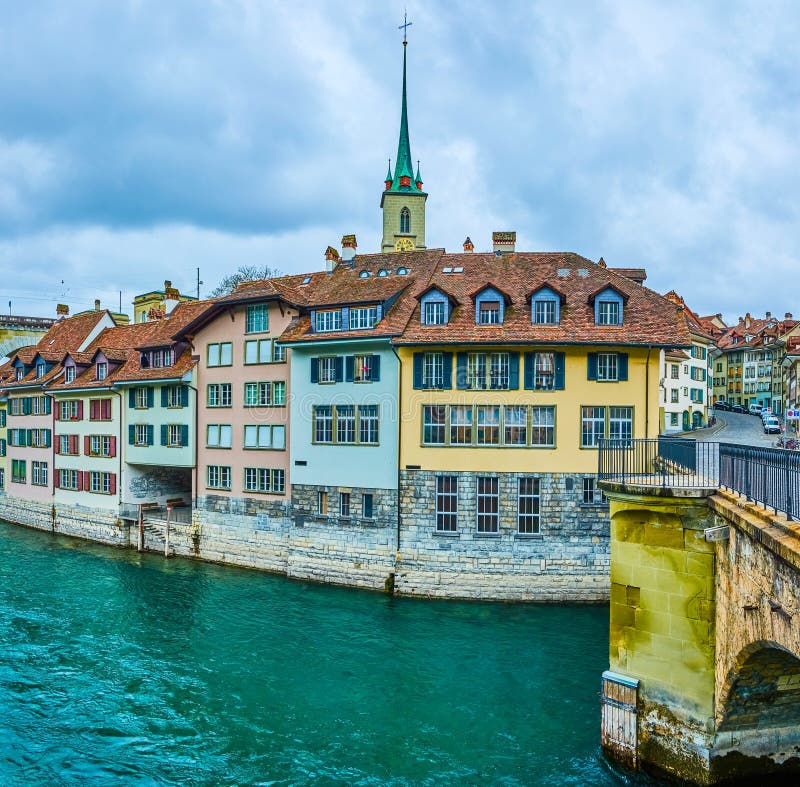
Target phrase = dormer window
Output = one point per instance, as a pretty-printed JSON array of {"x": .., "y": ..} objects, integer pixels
[
  {"x": 544, "y": 312},
  {"x": 402, "y": 271},
  {"x": 101, "y": 370},
  {"x": 609, "y": 304},
  {"x": 69, "y": 374},
  {"x": 363, "y": 275},
  {"x": 328, "y": 320},
  {"x": 489, "y": 313},
  {"x": 41, "y": 369},
  {"x": 383, "y": 272},
  {"x": 435, "y": 313},
  {"x": 363, "y": 317},
  {"x": 20, "y": 373}
]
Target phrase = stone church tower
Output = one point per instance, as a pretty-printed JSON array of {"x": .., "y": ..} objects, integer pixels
[{"x": 403, "y": 200}]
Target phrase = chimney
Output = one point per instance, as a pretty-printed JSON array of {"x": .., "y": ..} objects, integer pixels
[
  {"x": 602, "y": 263},
  {"x": 788, "y": 316},
  {"x": 62, "y": 310},
  {"x": 469, "y": 247},
  {"x": 747, "y": 320},
  {"x": 97, "y": 304},
  {"x": 504, "y": 242},
  {"x": 331, "y": 259},
  {"x": 769, "y": 315},
  {"x": 155, "y": 314},
  {"x": 349, "y": 247},
  {"x": 172, "y": 297}
]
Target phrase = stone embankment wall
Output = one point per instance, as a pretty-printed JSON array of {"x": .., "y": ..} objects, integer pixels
[{"x": 566, "y": 562}]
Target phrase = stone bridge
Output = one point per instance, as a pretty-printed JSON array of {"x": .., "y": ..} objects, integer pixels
[{"x": 704, "y": 674}]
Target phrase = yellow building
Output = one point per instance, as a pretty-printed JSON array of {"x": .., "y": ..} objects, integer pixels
[
  {"x": 162, "y": 300},
  {"x": 17, "y": 331},
  {"x": 513, "y": 367}
]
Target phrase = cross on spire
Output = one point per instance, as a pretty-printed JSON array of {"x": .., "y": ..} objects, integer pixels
[{"x": 404, "y": 27}]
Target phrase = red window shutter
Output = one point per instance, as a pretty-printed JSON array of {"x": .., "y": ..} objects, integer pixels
[
  {"x": 113, "y": 446},
  {"x": 73, "y": 444},
  {"x": 93, "y": 409},
  {"x": 106, "y": 414},
  {"x": 87, "y": 445},
  {"x": 80, "y": 411},
  {"x": 80, "y": 480},
  {"x": 112, "y": 480}
]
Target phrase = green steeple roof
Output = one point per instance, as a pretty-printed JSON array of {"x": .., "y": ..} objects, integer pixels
[
  {"x": 418, "y": 177},
  {"x": 403, "y": 165},
  {"x": 389, "y": 172}
]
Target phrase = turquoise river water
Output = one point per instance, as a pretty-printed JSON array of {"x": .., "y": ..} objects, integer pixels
[{"x": 124, "y": 668}]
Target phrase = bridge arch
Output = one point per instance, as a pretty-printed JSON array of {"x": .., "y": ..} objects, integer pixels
[{"x": 762, "y": 689}]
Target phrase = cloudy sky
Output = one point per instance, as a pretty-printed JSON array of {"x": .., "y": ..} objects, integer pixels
[{"x": 140, "y": 140}]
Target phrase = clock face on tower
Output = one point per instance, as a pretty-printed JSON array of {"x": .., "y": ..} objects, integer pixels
[{"x": 404, "y": 244}]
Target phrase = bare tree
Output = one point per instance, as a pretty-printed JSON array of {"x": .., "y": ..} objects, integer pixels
[{"x": 242, "y": 274}]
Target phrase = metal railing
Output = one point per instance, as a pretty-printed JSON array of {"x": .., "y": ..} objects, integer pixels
[
  {"x": 770, "y": 476},
  {"x": 666, "y": 462}
]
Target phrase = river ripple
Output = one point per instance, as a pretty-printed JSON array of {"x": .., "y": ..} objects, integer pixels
[{"x": 117, "y": 667}]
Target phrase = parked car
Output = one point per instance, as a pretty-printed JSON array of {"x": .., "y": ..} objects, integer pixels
[
  {"x": 721, "y": 405},
  {"x": 772, "y": 426},
  {"x": 738, "y": 408},
  {"x": 767, "y": 413},
  {"x": 755, "y": 409}
]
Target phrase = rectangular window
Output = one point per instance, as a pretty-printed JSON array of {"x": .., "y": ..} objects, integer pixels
[
  {"x": 39, "y": 473},
  {"x": 218, "y": 477},
  {"x": 488, "y": 431},
  {"x": 18, "y": 471},
  {"x": 279, "y": 393},
  {"x": 607, "y": 367},
  {"x": 488, "y": 504},
  {"x": 433, "y": 370},
  {"x": 461, "y": 425},
  {"x": 219, "y": 436},
  {"x": 673, "y": 395},
  {"x": 141, "y": 434},
  {"x": 434, "y": 313},
  {"x": 264, "y": 479},
  {"x": 366, "y": 506},
  {"x": 101, "y": 371},
  {"x": 257, "y": 394},
  {"x": 327, "y": 369},
  {"x": 489, "y": 313},
  {"x": 68, "y": 411},
  {"x": 344, "y": 505},
  {"x": 543, "y": 425},
  {"x": 528, "y": 505},
  {"x": 516, "y": 425},
  {"x": 446, "y": 503},
  {"x": 220, "y": 354},
  {"x": 258, "y": 436},
  {"x": 69, "y": 374},
  {"x": 322, "y": 503},
  {"x": 674, "y": 371},
  {"x": 368, "y": 424},
  {"x": 257, "y": 320},
  {"x": 498, "y": 371},
  {"x": 433, "y": 424},
  {"x": 673, "y": 419},
  {"x": 100, "y": 409},
  {"x": 141, "y": 398},
  {"x": 363, "y": 317},
  {"x": 544, "y": 312},
  {"x": 175, "y": 396},
  {"x": 174, "y": 436},
  {"x": 593, "y": 426},
  {"x": 100, "y": 445},
  {"x": 258, "y": 351},
  {"x": 608, "y": 313},
  {"x": 544, "y": 369},
  {"x": 591, "y": 494},
  {"x": 345, "y": 423},
  {"x": 476, "y": 371},
  {"x": 278, "y": 353},
  {"x": 218, "y": 395},
  {"x": 68, "y": 479},
  {"x": 362, "y": 368},
  {"x": 323, "y": 424},
  {"x": 329, "y": 320},
  {"x": 620, "y": 424}
]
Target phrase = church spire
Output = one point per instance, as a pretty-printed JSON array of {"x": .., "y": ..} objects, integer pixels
[{"x": 404, "y": 168}]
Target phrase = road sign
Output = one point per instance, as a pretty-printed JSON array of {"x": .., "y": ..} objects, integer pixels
[{"x": 793, "y": 415}]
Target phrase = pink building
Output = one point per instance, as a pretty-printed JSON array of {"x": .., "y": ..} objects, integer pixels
[{"x": 243, "y": 390}]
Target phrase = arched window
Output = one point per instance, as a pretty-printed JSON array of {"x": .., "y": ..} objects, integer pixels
[{"x": 405, "y": 220}]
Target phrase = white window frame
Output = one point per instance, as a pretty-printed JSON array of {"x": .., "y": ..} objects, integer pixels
[
  {"x": 433, "y": 370},
  {"x": 607, "y": 367},
  {"x": 257, "y": 318},
  {"x": 328, "y": 320},
  {"x": 326, "y": 371},
  {"x": 593, "y": 416},
  {"x": 435, "y": 313},
  {"x": 69, "y": 374},
  {"x": 363, "y": 317},
  {"x": 544, "y": 311}
]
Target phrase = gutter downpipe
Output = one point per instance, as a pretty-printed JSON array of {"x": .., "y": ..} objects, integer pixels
[
  {"x": 647, "y": 393},
  {"x": 399, "y": 433}
]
